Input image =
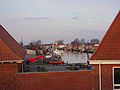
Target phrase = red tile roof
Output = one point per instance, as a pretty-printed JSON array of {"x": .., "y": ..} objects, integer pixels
[
  {"x": 9, "y": 47},
  {"x": 109, "y": 48}
]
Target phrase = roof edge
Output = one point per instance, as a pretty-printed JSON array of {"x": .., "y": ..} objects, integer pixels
[
  {"x": 9, "y": 34},
  {"x": 15, "y": 41},
  {"x": 108, "y": 30},
  {"x": 12, "y": 61},
  {"x": 104, "y": 61}
]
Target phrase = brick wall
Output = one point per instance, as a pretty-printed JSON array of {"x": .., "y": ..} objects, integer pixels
[
  {"x": 76, "y": 80},
  {"x": 107, "y": 76},
  {"x": 11, "y": 79},
  {"x": 8, "y": 80},
  {"x": 95, "y": 78}
]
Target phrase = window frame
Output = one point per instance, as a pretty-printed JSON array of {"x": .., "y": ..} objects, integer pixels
[{"x": 113, "y": 79}]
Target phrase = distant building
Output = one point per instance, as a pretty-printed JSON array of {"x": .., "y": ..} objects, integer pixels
[
  {"x": 96, "y": 45},
  {"x": 61, "y": 46},
  {"x": 30, "y": 51}
]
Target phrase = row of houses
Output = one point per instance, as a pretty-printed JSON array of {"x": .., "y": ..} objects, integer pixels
[{"x": 67, "y": 47}]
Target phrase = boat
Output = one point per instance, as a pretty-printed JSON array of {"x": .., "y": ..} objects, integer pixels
[
  {"x": 55, "y": 62},
  {"x": 48, "y": 55}
]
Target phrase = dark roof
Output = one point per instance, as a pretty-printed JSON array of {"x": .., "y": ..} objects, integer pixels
[
  {"x": 9, "y": 47},
  {"x": 109, "y": 48}
]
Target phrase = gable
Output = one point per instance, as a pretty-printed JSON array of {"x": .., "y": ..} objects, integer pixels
[
  {"x": 11, "y": 44},
  {"x": 109, "y": 48},
  {"x": 6, "y": 53}
]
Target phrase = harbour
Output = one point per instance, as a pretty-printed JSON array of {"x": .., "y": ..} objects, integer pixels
[{"x": 73, "y": 61}]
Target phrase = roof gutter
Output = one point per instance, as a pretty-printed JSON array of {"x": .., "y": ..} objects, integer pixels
[
  {"x": 104, "y": 61},
  {"x": 12, "y": 61}
]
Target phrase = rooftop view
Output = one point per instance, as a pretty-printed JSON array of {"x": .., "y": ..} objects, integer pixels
[{"x": 59, "y": 45}]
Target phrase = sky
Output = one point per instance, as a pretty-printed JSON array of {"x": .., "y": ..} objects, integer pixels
[{"x": 51, "y": 20}]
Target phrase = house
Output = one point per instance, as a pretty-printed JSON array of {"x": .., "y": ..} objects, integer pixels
[
  {"x": 106, "y": 59},
  {"x": 11, "y": 58}
]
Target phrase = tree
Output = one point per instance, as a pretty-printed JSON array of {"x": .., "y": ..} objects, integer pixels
[
  {"x": 34, "y": 44},
  {"x": 94, "y": 41},
  {"x": 38, "y": 43},
  {"x": 82, "y": 41},
  {"x": 60, "y": 41},
  {"x": 31, "y": 45},
  {"x": 21, "y": 42},
  {"x": 75, "y": 41}
]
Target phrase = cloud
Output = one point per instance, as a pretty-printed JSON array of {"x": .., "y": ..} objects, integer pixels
[
  {"x": 79, "y": 17},
  {"x": 93, "y": 18},
  {"x": 83, "y": 18},
  {"x": 76, "y": 17},
  {"x": 36, "y": 18}
]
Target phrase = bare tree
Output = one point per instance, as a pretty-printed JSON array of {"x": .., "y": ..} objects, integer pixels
[
  {"x": 34, "y": 44},
  {"x": 82, "y": 41},
  {"x": 94, "y": 41},
  {"x": 38, "y": 43},
  {"x": 60, "y": 41},
  {"x": 75, "y": 41},
  {"x": 31, "y": 45},
  {"x": 21, "y": 42}
]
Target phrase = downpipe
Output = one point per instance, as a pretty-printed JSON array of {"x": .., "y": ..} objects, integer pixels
[{"x": 100, "y": 77}]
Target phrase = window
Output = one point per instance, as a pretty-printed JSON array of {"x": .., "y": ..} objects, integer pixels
[{"x": 116, "y": 78}]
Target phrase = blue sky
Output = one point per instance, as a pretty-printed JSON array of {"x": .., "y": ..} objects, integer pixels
[{"x": 50, "y": 20}]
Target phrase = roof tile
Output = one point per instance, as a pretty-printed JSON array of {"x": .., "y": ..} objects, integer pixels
[{"x": 9, "y": 47}]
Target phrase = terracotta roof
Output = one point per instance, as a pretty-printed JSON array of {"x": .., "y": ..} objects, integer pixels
[
  {"x": 109, "y": 48},
  {"x": 9, "y": 47}
]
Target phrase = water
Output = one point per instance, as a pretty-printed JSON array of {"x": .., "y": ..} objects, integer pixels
[
  {"x": 74, "y": 57},
  {"x": 70, "y": 57}
]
